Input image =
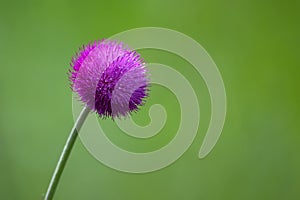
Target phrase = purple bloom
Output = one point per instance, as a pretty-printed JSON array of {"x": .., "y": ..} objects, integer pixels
[{"x": 109, "y": 78}]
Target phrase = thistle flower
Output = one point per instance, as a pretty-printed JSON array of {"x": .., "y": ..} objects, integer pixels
[{"x": 109, "y": 78}]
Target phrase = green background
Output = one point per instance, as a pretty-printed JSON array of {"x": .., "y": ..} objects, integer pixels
[{"x": 254, "y": 43}]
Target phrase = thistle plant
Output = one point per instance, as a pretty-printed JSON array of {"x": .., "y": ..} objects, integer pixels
[{"x": 110, "y": 80}]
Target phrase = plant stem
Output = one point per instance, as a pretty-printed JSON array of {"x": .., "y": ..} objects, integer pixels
[{"x": 65, "y": 154}]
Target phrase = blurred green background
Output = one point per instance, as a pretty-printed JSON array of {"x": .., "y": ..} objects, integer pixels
[{"x": 256, "y": 47}]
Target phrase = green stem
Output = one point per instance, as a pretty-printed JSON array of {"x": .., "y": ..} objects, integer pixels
[{"x": 65, "y": 154}]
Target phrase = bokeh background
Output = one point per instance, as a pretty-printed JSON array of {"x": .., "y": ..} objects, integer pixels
[{"x": 256, "y": 47}]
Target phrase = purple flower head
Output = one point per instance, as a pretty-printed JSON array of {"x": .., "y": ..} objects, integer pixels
[{"x": 109, "y": 78}]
